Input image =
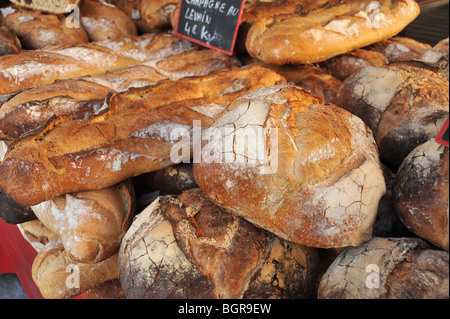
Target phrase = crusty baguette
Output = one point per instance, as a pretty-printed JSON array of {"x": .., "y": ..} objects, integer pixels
[
  {"x": 51, "y": 6},
  {"x": 329, "y": 31},
  {"x": 27, "y": 112},
  {"x": 33, "y": 68},
  {"x": 131, "y": 138},
  {"x": 37, "y": 30}
]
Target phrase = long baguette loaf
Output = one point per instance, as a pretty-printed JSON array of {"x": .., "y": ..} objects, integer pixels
[
  {"x": 328, "y": 32},
  {"x": 136, "y": 135},
  {"x": 34, "y": 68},
  {"x": 27, "y": 112}
]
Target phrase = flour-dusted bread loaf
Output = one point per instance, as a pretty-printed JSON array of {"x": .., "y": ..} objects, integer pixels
[
  {"x": 388, "y": 268},
  {"x": 400, "y": 48},
  {"x": 103, "y": 21},
  {"x": 344, "y": 65},
  {"x": 33, "y": 68},
  {"x": 310, "y": 172},
  {"x": 328, "y": 31},
  {"x": 9, "y": 42},
  {"x": 137, "y": 134},
  {"x": 438, "y": 56},
  {"x": 37, "y": 30},
  {"x": 421, "y": 193},
  {"x": 186, "y": 247},
  {"x": 404, "y": 103},
  {"x": 148, "y": 15},
  {"x": 51, "y": 6},
  {"x": 90, "y": 224},
  {"x": 81, "y": 98},
  {"x": 60, "y": 277}
]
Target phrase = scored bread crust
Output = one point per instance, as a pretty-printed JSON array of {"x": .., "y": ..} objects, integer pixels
[
  {"x": 319, "y": 180},
  {"x": 130, "y": 138},
  {"x": 329, "y": 31},
  {"x": 34, "y": 68}
]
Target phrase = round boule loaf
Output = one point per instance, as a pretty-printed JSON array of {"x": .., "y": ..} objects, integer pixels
[
  {"x": 312, "y": 175},
  {"x": 387, "y": 268},
  {"x": 421, "y": 192},
  {"x": 403, "y": 103},
  {"x": 186, "y": 247}
]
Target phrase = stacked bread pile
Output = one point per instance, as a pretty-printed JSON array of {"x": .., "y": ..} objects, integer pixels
[{"x": 140, "y": 165}]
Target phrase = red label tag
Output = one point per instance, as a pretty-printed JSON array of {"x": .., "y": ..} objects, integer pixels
[
  {"x": 442, "y": 137},
  {"x": 210, "y": 23}
]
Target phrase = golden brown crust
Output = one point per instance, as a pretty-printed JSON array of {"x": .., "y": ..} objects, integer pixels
[
  {"x": 9, "y": 43},
  {"x": 124, "y": 141},
  {"x": 103, "y": 21},
  {"x": 59, "y": 277},
  {"x": 307, "y": 187},
  {"x": 90, "y": 224},
  {"x": 37, "y": 30},
  {"x": 33, "y": 68},
  {"x": 401, "y": 48},
  {"x": 327, "y": 32},
  {"x": 54, "y": 6}
]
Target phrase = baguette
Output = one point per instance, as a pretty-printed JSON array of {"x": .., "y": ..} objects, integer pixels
[
  {"x": 29, "y": 111},
  {"x": 327, "y": 32},
  {"x": 34, "y": 68},
  {"x": 132, "y": 137}
]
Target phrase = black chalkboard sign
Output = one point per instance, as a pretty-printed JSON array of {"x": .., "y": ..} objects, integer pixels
[
  {"x": 211, "y": 23},
  {"x": 442, "y": 137}
]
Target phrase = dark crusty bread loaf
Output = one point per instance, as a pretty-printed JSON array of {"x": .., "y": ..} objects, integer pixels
[
  {"x": 420, "y": 192},
  {"x": 33, "y": 68},
  {"x": 148, "y": 15},
  {"x": 404, "y": 103},
  {"x": 327, "y": 32},
  {"x": 187, "y": 247},
  {"x": 135, "y": 135},
  {"x": 9, "y": 43},
  {"x": 388, "y": 268},
  {"x": 37, "y": 30},
  {"x": 400, "y": 48},
  {"x": 310, "y": 173},
  {"x": 344, "y": 65}
]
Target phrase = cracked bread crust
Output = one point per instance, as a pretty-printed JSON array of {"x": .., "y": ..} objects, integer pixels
[
  {"x": 187, "y": 247},
  {"x": 421, "y": 195},
  {"x": 387, "y": 268},
  {"x": 403, "y": 103},
  {"x": 317, "y": 184}
]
